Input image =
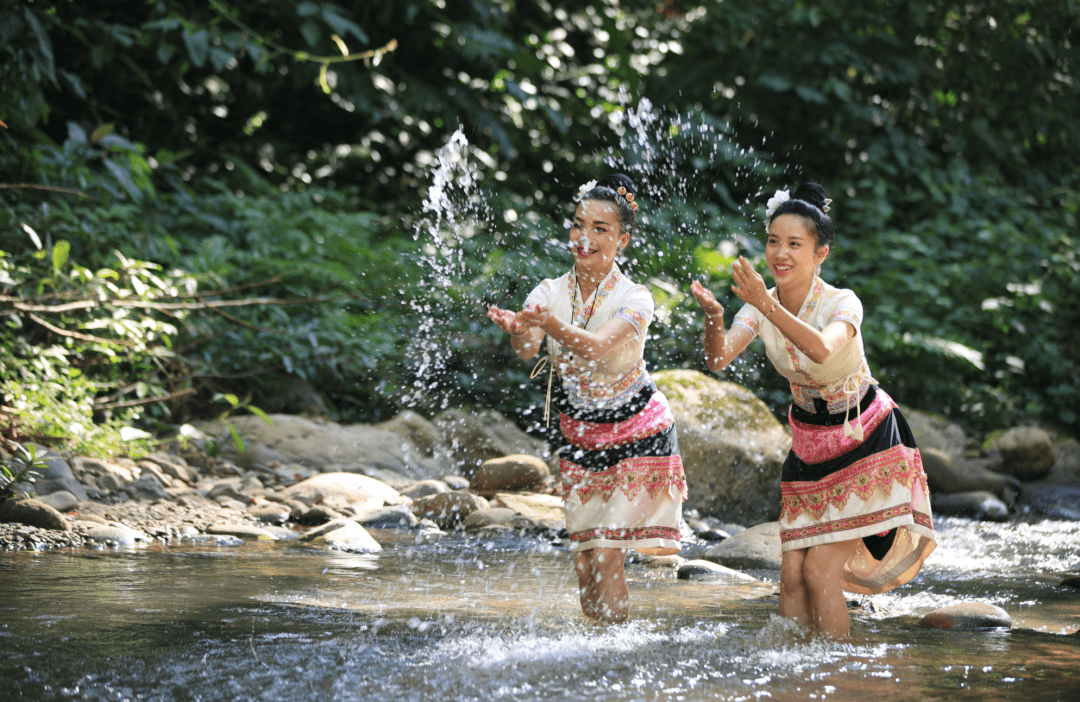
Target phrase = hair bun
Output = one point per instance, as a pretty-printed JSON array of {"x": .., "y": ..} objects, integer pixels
[
  {"x": 812, "y": 193},
  {"x": 616, "y": 181}
]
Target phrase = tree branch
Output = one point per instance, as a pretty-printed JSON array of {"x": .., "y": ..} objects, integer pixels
[
  {"x": 77, "y": 335},
  {"x": 145, "y": 400}
]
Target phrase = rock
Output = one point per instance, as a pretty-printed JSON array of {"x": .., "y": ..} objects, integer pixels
[
  {"x": 244, "y": 531},
  {"x": 703, "y": 568},
  {"x": 282, "y": 533},
  {"x": 1073, "y": 582},
  {"x": 318, "y": 514},
  {"x": 326, "y": 528},
  {"x": 756, "y": 548},
  {"x": 213, "y": 540},
  {"x": 473, "y": 438},
  {"x": 350, "y": 537},
  {"x": 449, "y": 508},
  {"x": 732, "y": 446},
  {"x": 1026, "y": 452},
  {"x": 149, "y": 467},
  {"x": 395, "y": 517},
  {"x": 422, "y": 433},
  {"x": 55, "y": 476},
  {"x": 455, "y": 482},
  {"x": 31, "y": 512},
  {"x": 173, "y": 466},
  {"x": 1052, "y": 500},
  {"x": 979, "y": 504},
  {"x": 390, "y": 477},
  {"x": 544, "y": 512},
  {"x": 290, "y": 394},
  {"x": 147, "y": 487},
  {"x": 713, "y": 535},
  {"x": 227, "y": 487},
  {"x": 946, "y": 473},
  {"x": 256, "y": 456},
  {"x": 271, "y": 513},
  {"x": 657, "y": 562},
  {"x": 117, "y": 471},
  {"x": 492, "y": 516},
  {"x": 116, "y": 533},
  {"x": 347, "y": 488},
  {"x": 424, "y": 488},
  {"x": 1066, "y": 468},
  {"x": 514, "y": 472},
  {"x": 969, "y": 615},
  {"x": 934, "y": 432},
  {"x": 61, "y": 501},
  {"x": 327, "y": 446}
]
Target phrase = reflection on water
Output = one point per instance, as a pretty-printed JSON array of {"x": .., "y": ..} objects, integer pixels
[{"x": 467, "y": 619}]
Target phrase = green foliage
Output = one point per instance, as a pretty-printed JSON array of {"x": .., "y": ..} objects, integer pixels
[{"x": 20, "y": 470}]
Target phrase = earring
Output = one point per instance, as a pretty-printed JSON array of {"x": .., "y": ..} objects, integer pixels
[
  {"x": 618, "y": 251},
  {"x": 818, "y": 271}
]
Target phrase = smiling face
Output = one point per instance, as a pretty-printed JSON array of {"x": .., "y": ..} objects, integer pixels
[
  {"x": 595, "y": 237},
  {"x": 792, "y": 253}
]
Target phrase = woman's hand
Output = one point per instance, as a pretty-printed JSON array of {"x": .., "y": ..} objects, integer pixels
[
  {"x": 706, "y": 299},
  {"x": 749, "y": 285},
  {"x": 533, "y": 316},
  {"x": 506, "y": 320}
]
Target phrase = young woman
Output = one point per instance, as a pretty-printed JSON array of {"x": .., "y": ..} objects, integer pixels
[
  {"x": 856, "y": 509},
  {"x": 622, "y": 476}
]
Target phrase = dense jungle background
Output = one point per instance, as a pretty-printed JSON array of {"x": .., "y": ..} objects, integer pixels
[{"x": 201, "y": 200}]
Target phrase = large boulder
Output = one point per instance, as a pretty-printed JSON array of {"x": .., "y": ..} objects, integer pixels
[
  {"x": 948, "y": 473},
  {"x": 328, "y": 446},
  {"x": 422, "y": 433},
  {"x": 55, "y": 475},
  {"x": 474, "y": 437},
  {"x": 934, "y": 432},
  {"x": 1066, "y": 468},
  {"x": 448, "y": 509},
  {"x": 758, "y": 547},
  {"x": 341, "y": 489},
  {"x": 31, "y": 513},
  {"x": 978, "y": 504},
  {"x": 516, "y": 472},
  {"x": 1026, "y": 452},
  {"x": 732, "y": 446},
  {"x": 967, "y": 615},
  {"x": 1052, "y": 500}
]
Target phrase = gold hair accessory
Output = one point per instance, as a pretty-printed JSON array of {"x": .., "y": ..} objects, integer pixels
[{"x": 629, "y": 197}]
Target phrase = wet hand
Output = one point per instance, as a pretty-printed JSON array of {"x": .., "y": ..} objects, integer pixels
[
  {"x": 533, "y": 316},
  {"x": 506, "y": 320},
  {"x": 749, "y": 285},
  {"x": 706, "y": 299}
]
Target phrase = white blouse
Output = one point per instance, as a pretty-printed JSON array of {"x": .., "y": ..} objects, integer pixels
[{"x": 844, "y": 377}]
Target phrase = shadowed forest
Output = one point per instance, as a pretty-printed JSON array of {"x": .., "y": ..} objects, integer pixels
[{"x": 205, "y": 202}]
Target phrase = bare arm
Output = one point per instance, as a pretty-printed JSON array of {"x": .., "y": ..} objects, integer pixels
[
  {"x": 524, "y": 339},
  {"x": 587, "y": 345},
  {"x": 817, "y": 345},
  {"x": 721, "y": 347}
]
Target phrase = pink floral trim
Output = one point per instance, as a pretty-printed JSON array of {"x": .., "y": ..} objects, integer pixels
[
  {"x": 816, "y": 444},
  {"x": 803, "y": 394},
  {"x": 637, "y": 534},
  {"x": 655, "y": 418},
  {"x": 746, "y": 322},
  {"x": 898, "y": 464},
  {"x": 857, "y": 522},
  {"x": 849, "y": 316},
  {"x": 578, "y": 311},
  {"x": 634, "y": 316},
  {"x": 654, "y": 474}
]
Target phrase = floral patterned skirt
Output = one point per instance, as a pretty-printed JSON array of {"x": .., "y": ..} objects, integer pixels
[
  {"x": 622, "y": 476},
  {"x": 836, "y": 488}
]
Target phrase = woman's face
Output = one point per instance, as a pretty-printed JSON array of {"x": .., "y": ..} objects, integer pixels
[
  {"x": 792, "y": 252},
  {"x": 596, "y": 235}
]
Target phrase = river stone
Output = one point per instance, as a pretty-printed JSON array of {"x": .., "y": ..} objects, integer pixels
[
  {"x": 149, "y": 467},
  {"x": 934, "y": 432},
  {"x": 515, "y": 472},
  {"x": 61, "y": 501},
  {"x": 147, "y": 487},
  {"x": 318, "y": 514},
  {"x": 1073, "y": 582},
  {"x": 258, "y": 456},
  {"x": 31, "y": 512},
  {"x": 422, "y": 433},
  {"x": 392, "y": 478},
  {"x": 122, "y": 474},
  {"x": 1066, "y": 468},
  {"x": 328, "y": 446},
  {"x": 344, "y": 488},
  {"x": 326, "y": 528},
  {"x": 947, "y": 473},
  {"x": 116, "y": 533},
  {"x": 424, "y": 488},
  {"x": 757, "y": 547},
  {"x": 544, "y": 511},
  {"x": 173, "y": 466},
  {"x": 213, "y": 539},
  {"x": 703, "y": 568},
  {"x": 1026, "y": 452},
  {"x": 271, "y": 513},
  {"x": 1052, "y": 500},
  {"x": 969, "y": 615},
  {"x": 474, "y": 437},
  {"x": 54, "y": 476},
  {"x": 449, "y": 508},
  {"x": 657, "y": 562},
  {"x": 455, "y": 482},
  {"x": 349, "y": 537},
  {"x": 732, "y": 446},
  {"x": 978, "y": 504},
  {"x": 244, "y": 531},
  {"x": 489, "y": 517},
  {"x": 393, "y": 517}
]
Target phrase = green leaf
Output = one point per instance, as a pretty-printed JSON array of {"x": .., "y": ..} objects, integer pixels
[
  {"x": 60, "y": 254},
  {"x": 240, "y": 446},
  {"x": 260, "y": 414},
  {"x": 198, "y": 46}
]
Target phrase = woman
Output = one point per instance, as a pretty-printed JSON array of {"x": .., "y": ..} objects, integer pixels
[
  {"x": 856, "y": 509},
  {"x": 622, "y": 476}
]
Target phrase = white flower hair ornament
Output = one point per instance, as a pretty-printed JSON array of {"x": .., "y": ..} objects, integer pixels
[
  {"x": 778, "y": 198},
  {"x": 585, "y": 188}
]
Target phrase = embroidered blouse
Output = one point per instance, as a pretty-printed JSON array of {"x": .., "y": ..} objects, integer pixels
[
  {"x": 618, "y": 375},
  {"x": 845, "y": 377}
]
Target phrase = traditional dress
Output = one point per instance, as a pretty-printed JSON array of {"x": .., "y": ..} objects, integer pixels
[
  {"x": 622, "y": 476},
  {"x": 853, "y": 471}
]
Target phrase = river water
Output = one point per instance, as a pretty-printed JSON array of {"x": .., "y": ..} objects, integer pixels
[{"x": 467, "y": 618}]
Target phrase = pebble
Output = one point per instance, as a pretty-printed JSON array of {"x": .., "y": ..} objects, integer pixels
[
  {"x": 701, "y": 569},
  {"x": 966, "y": 616}
]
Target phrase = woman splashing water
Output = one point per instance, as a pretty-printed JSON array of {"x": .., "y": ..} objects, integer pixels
[
  {"x": 856, "y": 509},
  {"x": 622, "y": 475}
]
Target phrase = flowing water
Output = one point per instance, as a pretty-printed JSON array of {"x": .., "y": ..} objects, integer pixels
[{"x": 467, "y": 618}]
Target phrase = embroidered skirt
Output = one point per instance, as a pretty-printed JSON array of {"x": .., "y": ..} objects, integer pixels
[
  {"x": 836, "y": 488},
  {"x": 622, "y": 476}
]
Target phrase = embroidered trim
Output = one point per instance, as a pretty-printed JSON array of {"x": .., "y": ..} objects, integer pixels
[
  {"x": 898, "y": 464},
  {"x": 633, "y": 316},
  {"x": 654, "y": 474},
  {"x": 849, "y": 316},
  {"x": 578, "y": 305},
  {"x": 593, "y": 436},
  {"x": 635, "y": 534},
  {"x": 850, "y": 523},
  {"x": 803, "y": 394}
]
